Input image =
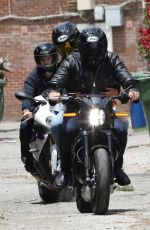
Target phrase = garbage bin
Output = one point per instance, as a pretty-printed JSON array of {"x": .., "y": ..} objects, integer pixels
[
  {"x": 2, "y": 84},
  {"x": 144, "y": 89},
  {"x": 137, "y": 115}
]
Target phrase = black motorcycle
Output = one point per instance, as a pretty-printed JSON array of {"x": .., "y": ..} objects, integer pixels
[{"x": 94, "y": 150}]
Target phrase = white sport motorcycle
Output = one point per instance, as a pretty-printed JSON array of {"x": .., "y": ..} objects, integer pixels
[{"x": 43, "y": 149}]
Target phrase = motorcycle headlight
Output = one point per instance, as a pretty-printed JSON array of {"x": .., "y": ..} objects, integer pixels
[
  {"x": 97, "y": 117},
  {"x": 48, "y": 120}
]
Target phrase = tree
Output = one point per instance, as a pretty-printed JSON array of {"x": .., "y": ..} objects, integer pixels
[{"x": 144, "y": 35}]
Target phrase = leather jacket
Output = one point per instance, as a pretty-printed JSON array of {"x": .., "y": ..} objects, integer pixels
[
  {"x": 34, "y": 85},
  {"x": 75, "y": 76}
]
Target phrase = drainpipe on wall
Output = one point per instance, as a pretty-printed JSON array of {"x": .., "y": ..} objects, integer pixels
[
  {"x": 9, "y": 7},
  {"x": 143, "y": 4}
]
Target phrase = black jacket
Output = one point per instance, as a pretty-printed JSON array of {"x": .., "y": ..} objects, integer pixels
[
  {"x": 74, "y": 76},
  {"x": 34, "y": 85}
]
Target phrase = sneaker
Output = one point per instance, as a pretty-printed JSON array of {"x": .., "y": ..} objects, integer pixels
[{"x": 121, "y": 177}]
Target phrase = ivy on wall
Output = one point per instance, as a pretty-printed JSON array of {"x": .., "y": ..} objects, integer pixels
[{"x": 144, "y": 35}]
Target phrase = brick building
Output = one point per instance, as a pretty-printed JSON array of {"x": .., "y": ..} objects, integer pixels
[{"x": 25, "y": 23}]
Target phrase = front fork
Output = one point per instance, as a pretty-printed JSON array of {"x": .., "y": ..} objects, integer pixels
[
  {"x": 111, "y": 157},
  {"x": 87, "y": 158}
]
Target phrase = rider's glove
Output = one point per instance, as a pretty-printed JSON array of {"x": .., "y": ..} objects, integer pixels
[{"x": 26, "y": 114}]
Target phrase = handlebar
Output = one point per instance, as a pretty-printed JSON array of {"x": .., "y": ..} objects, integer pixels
[{"x": 123, "y": 97}]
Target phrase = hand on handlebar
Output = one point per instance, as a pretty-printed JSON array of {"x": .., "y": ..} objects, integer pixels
[
  {"x": 54, "y": 96},
  {"x": 26, "y": 114},
  {"x": 111, "y": 92},
  {"x": 134, "y": 95}
]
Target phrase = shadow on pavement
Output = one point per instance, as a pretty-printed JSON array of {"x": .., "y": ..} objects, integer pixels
[{"x": 117, "y": 211}]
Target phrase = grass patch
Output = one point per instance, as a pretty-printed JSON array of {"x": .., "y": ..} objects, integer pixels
[
  {"x": 127, "y": 188},
  {"x": 141, "y": 129},
  {"x": 147, "y": 171}
]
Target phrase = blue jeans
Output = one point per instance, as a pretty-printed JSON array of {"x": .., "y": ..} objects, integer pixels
[{"x": 63, "y": 129}]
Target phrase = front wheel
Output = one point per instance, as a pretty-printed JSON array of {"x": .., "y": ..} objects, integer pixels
[
  {"x": 82, "y": 205},
  {"x": 48, "y": 195},
  {"x": 101, "y": 189}
]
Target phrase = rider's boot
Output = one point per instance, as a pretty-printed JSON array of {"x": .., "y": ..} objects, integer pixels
[{"x": 121, "y": 177}]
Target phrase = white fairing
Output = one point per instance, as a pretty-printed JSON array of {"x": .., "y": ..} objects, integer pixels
[
  {"x": 36, "y": 146},
  {"x": 42, "y": 121},
  {"x": 54, "y": 159},
  {"x": 43, "y": 113},
  {"x": 46, "y": 111}
]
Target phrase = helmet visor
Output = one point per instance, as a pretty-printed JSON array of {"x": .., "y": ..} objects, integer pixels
[
  {"x": 64, "y": 49},
  {"x": 45, "y": 61},
  {"x": 92, "y": 49}
]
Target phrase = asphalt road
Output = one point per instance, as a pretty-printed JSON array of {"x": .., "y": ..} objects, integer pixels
[{"x": 21, "y": 207}]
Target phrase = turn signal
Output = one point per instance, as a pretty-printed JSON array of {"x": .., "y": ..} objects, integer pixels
[
  {"x": 70, "y": 114},
  {"x": 120, "y": 114}
]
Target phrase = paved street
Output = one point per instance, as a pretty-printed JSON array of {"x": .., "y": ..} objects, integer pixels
[{"x": 21, "y": 207}]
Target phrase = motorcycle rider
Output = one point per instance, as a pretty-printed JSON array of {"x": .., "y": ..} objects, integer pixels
[
  {"x": 36, "y": 82},
  {"x": 65, "y": 38},
  {"x": 91, "y": 70},
  {"x": 46, "y": 59}
]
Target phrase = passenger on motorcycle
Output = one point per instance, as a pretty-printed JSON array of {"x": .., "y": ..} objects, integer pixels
[
  {"x": 91, "y": 70},
  {"x": 65, "y": 38},
  {"x": 46, "y": 59}
]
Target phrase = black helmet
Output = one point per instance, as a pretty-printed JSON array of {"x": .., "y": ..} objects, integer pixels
[
  {"x": 46, "y": 50},
  {"x": 92, "y": 45},
  {"x": 65, "y": 38}
]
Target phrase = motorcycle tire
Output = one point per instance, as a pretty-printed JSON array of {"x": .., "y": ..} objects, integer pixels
[
  {"x": 82, "y": 205},
  {"x": 101, "y": 193},
  {"x": 48, "y": 195}
]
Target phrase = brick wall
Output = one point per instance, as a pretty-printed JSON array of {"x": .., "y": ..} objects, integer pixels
[
  {"x": 20, "y": 36},
  {"x": 32, "y": 8},
  {"x": 126, "y": 38},
  {"x": 112, "y": 2},
  {"x": 18, "y": 39}
]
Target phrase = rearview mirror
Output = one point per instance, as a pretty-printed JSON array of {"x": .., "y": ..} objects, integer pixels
[{"x": 22, "y": 96}]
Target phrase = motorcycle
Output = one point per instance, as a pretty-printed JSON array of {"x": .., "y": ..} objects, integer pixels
[
  {"x": 43, "y": 149},
  {"x": 94, "y": 149}
]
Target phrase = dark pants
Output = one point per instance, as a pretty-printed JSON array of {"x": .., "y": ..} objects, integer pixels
[
  {"x": 121, "y": 131},
  {"x": 25, "y": 136},
  {"x": 122, "y": 137}
]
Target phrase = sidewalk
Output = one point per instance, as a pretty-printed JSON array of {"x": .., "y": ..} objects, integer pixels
[
  {"x": 21, "y": 206},
  {"x": 9, "y": 130}
]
